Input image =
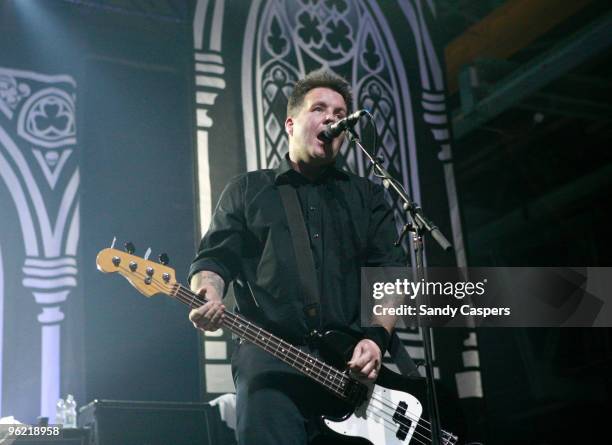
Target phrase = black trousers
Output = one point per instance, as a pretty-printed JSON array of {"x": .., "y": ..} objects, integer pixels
[{"x": 276, "y": 404}]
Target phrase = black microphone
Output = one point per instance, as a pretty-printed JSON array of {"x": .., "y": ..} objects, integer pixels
[{"x": 333, "y": 130}]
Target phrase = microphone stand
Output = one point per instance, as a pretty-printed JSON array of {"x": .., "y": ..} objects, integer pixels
[{"x": 418, "y": 225}]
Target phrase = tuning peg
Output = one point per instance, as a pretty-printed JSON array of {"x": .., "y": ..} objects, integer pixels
[
  {"x": 113, "y": 243},
  {"x": 129, "y": 247},
  {"x": 147, "y": 253},
  {"x": 163, "y": 258}
]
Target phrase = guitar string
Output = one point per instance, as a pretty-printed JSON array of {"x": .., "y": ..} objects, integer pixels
[
  {"x": 299, "y": 354},
  {"x": 392, "y": 426},
  {"x": 188, "y": 297},
  {"x": 185, "y": 293},
  {"x": 251, "y": 335},
  {"x": 291, "y": 353},
  {"x": 388, "y": 424},
  {"x": 287, "y": 352}
]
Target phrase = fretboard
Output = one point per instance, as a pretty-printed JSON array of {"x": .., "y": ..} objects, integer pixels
[{"x": 328, "y": 376}]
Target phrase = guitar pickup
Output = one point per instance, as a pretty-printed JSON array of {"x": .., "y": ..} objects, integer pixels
[{"x": 400, "y": 417}]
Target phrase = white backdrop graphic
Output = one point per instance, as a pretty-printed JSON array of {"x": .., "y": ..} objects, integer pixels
[
  {"x": 209, "y": 83},
  {"x": 286, "y": 39},
  {"x": 37, "y": 166},
  {"x": 399, "y": 77},
  {"x": 435, "y": 115}
]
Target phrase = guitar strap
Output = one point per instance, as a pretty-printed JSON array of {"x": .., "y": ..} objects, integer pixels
[{"x": 309, "y": 282}]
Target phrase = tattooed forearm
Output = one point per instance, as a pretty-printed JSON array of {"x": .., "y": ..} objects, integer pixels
[{"x": 207, "y": 279}]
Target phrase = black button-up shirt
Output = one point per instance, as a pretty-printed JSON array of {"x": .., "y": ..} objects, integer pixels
[{"x": 349, "y": 224}]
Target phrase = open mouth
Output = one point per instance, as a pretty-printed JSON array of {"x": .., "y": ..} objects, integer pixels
[{"x": 321, "y": 137}]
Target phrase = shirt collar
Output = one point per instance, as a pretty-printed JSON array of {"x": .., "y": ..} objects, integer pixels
[{"x": 335, "y": 169}]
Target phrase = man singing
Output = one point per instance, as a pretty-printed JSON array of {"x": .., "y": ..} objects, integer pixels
[{"x": 349, "y": 225}]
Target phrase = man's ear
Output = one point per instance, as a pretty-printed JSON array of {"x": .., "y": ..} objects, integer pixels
[{"x": 289, "y": 126}]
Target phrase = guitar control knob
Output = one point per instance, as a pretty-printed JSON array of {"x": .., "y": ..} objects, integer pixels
[
  {"x": 116, "y": 261},
  {"x": 149, "y": 271},
  {"x": 129, "y": 247},
  {"x": 163, "y": 258},
  {"x": 133, "y": 266}
]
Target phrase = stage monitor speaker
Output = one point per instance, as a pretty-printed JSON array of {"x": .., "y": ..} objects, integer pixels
[{"x": 114, "y": 422}]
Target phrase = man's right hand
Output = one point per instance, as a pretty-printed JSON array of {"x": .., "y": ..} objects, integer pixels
[{"x": 209, "y": 316}]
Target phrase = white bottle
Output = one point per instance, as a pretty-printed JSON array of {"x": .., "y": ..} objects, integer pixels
[
  {"x": 71, "y": 413},
  {"x": 60, "y": 412}
]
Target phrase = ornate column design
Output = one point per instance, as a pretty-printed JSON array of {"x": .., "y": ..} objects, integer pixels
[
  {"x": 433, "y": 101},
  {"x": 37, "y": 139},
  {"x": 209, "y": 70},
  {"x": 209, "y": 82},
  {"x": 435, "y": 115}
]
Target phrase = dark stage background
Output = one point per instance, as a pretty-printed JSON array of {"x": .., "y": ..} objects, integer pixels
[
  {"x": 134, "y": 153},
  {"x": 126, "y": 118}
]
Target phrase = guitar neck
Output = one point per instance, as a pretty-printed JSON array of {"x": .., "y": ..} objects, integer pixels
[{"x": 328, "y": 376}]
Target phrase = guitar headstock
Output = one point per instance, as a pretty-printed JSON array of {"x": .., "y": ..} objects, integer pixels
[{"x": 147, "y": 276}]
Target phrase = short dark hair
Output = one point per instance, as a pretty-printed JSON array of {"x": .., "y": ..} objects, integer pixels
[{"x": 320, "y": 78}]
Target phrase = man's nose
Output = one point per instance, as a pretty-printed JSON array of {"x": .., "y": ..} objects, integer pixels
[{"x": 329, "y": 119}]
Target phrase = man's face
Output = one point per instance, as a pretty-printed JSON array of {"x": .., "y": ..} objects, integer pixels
[{"x": 321, "y": 106}]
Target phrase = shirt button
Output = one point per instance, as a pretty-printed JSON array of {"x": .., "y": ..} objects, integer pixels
[
  {"x": 312, "y": 208},
  {"x": 315, "y": 236}
]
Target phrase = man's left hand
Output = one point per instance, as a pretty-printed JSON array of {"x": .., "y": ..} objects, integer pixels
[{"x": 366, "y": 360}]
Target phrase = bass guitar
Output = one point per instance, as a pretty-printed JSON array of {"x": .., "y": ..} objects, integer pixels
[{"x": 387, "y": 412}]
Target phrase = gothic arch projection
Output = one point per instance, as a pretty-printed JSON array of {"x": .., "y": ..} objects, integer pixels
[
  {"x": 286, "y": 39},
  {"x": 435, "y": 115},
  {"x": 270, "y": 67},
  {"x": 209, "y": 81},
  {"x": 37, "y": 138}
]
